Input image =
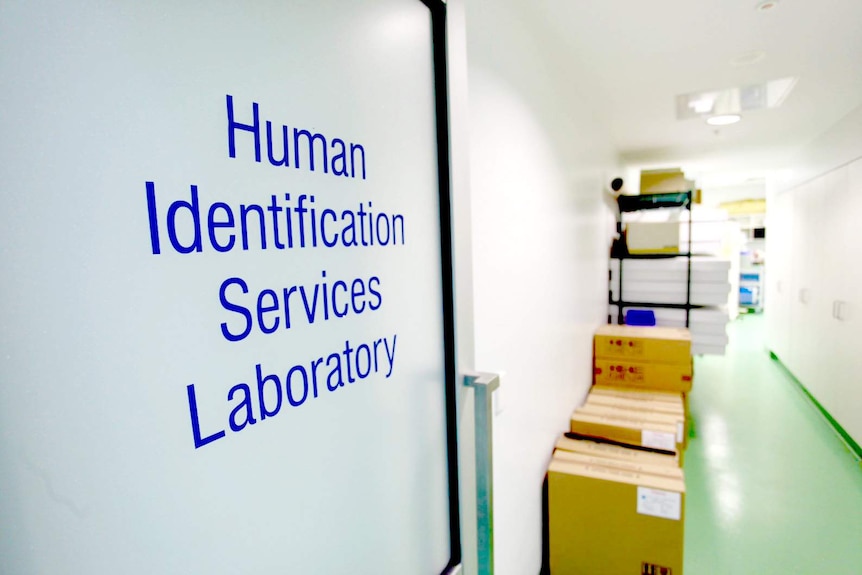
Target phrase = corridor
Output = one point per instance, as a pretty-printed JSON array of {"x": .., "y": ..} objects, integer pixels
[{"x": 771, "y": 487}]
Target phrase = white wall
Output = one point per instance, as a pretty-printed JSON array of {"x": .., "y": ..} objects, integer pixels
[
  {"x": 812, "y": 223},
  {"x": 539, "y": 232},
  {"x": 839, "y": 145}
]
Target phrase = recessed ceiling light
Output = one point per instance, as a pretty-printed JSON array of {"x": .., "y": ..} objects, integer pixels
[
  {"x": 767, "y": 5},
  {"x": 723, "y": 120}
]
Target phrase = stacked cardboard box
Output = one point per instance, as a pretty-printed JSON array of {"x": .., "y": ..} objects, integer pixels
[
  {"x": 644, "y": 400},
  {"x": 641, "y": 377},
  {"x": 652, "y": 345},
  {"x": 614, "y": 510},
  {"x": 616, "y": 490}
]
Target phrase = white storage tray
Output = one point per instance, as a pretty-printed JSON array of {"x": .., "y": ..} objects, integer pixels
[{"x": 701, "y": 294}]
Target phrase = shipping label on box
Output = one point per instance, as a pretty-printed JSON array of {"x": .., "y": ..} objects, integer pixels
[
  {"x": 659, "y": 439},
  {"x": 660, "y": 503}
]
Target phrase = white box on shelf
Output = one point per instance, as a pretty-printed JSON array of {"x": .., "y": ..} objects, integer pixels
[
  {"x": 671, "y": 293},
  {"x": 703, "y": 270},
  {"x": 652, "y": 237}
]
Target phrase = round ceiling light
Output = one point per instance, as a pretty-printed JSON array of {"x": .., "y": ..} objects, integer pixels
[{"x": 723, "y": 120}]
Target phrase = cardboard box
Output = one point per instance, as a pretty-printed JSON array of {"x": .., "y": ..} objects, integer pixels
[
  {"x": 609, "y": 451},
  {"x": 652, "y": 469},
  {"x": 673, "y": 408},
  {"x": 601, "y": 393},
  {"x": 660, "y": 401},
  {"x": 652, "y": 237},
  {"x": 609, "y": 521},
  {"x": 645, "y": 344},
  {"x": 631, "y": 431},
  {"x": 641, "y": 417},
  {"x": 657, "y": 395},
  {"x": 623, "y": 372},
  {"x": 664, "y": 180}
]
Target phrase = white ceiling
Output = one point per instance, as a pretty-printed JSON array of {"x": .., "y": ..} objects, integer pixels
[{"x": 630, "y": 58}]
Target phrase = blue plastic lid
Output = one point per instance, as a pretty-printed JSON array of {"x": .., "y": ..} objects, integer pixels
[{"x": 644, "y": 317}]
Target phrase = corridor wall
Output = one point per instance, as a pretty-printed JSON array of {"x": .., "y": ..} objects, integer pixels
[
  {"x": 539, "y": 162},
  {"x": 814, "y": 285}
]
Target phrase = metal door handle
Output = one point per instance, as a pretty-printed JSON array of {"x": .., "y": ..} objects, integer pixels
[{"x": 484, "y": 385}]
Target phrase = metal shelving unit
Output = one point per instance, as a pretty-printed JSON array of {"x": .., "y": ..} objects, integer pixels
[{"x": 628, "y": 204}]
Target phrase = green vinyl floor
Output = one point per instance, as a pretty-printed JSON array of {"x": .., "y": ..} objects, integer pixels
[{"x": 770, "y": 486}]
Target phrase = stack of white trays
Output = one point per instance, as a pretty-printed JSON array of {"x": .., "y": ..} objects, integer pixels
[{"x": 665, "y": 281}]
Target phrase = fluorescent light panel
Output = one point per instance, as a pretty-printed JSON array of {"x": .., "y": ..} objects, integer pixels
[{"x": 734, "y": 101}]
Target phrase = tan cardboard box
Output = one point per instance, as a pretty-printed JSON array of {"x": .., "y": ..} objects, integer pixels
[
  {"x": 640, "y": 417},
  {"x": 639, "y": 394},
  {"x": 610, "y": 451},
  {"x": 646, "y": 344},
  {"x": 652, "y": 237},
  {"x": 637, "y": 404},
  {"x": 632, "y": 431},
  {"x": 677, "y": 419},
  {"x": 624, "y": 372},
  {"x": 652, "y": 469},
  {"x": 664, "y": 180},
  {"x": 673, "y": 398},
  {"x": 609, "y": 521}
]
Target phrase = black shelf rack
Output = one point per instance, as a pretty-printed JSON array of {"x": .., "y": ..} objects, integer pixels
[{"x": 651, "y": 202}]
